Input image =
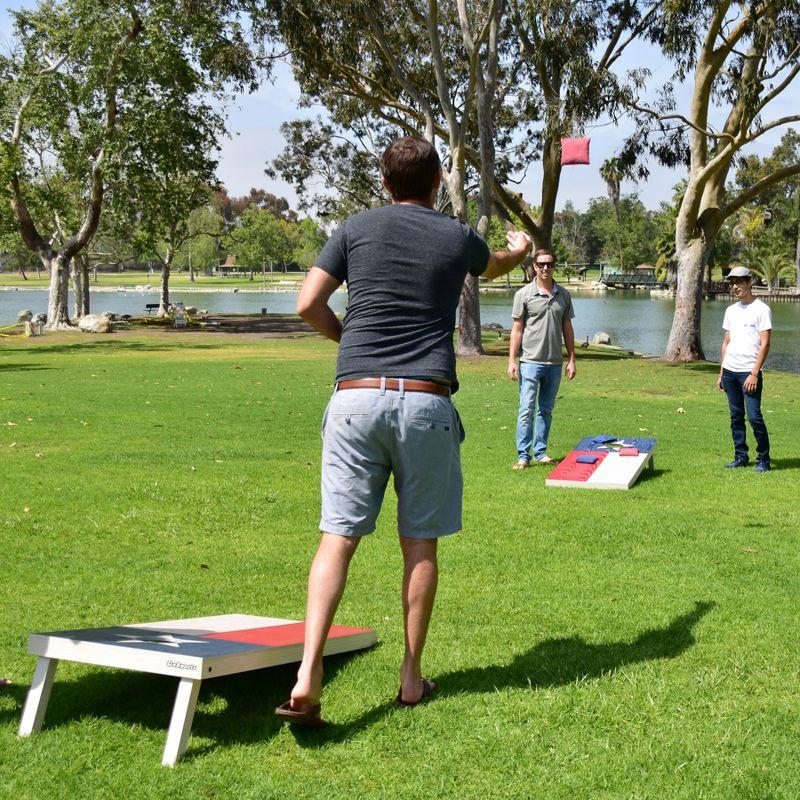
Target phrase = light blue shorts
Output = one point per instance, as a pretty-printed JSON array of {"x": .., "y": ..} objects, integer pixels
[{"x": 369, "y": 434}]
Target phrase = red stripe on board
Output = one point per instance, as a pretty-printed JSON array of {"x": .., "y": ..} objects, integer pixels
[
  {"x": 570, "y": 470},
  {"x": 279, "y": 635}
]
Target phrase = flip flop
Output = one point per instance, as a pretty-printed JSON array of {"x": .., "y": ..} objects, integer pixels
[
  {"x": 521, "y": 465},
  {"x": 428, "y": 688},
  {"x": 309, "y": 717},
  {"x": 546, "y": 460},
  {"x": 5, "y": 683}
]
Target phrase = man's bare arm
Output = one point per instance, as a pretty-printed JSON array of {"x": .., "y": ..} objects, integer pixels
[
  {"x": 725, "y": 341},
  {"x": 503, "y": 261},
  {"x": 312, "y": 303},
  {"x": 569, "y": 342},
  {"x": 751, "y": 381},
  {"x": 513, "y": 349}
]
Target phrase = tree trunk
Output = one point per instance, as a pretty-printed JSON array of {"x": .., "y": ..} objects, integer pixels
[
  {"x": 191, "y": 269},
  {"x": 85, "y": 284},
  {"x": 469, "y": 326},
  {"x": 684, "y": 338},
  {"x": 469, "y": 308},
  {"x": 163, "y": 303},
  {"x": 797, "y": 260},
  {"x": 551, "y": 180},
  {"x": 77, "y": 288},
  {"x": 22, "y": 273},
  {"x": 58, "y": 300}
]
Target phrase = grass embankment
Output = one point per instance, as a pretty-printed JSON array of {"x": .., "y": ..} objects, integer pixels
[
  {"x": 177, "y": 281},
  {"x": 636, "y": 644},
  {"x": 181, "y": 282}
]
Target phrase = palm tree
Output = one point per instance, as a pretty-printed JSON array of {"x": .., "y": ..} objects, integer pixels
[{"x": 770, "y": 267}]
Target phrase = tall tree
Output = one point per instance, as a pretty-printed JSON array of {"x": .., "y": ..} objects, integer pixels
[
  {"x": 87, "y": 78},
  {"x": 741, "y": 57},
  {"x": 261, "y": 239},
  {"x": 569, "y": 50},
  {"x": 468, "y": 74},
  {"x": 775, "y": 213}
]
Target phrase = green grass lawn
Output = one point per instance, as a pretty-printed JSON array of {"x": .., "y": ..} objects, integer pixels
[
  {"x": 177, "y": 280},
  {"x": 636, "y": 644},
  {"x": 180, "y": 280}
]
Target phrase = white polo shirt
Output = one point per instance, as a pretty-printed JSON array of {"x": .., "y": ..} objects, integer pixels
[{"x": 745, "y": 323}]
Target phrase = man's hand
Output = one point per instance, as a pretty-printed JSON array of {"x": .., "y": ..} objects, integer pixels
[
  {"x": 570, "y": 370},
  {"x": 719, "y": 383},
  {"x": 751, "y": 383},
  {"x": 513, "y": 372},
  {"x": 519, "y": 241}
]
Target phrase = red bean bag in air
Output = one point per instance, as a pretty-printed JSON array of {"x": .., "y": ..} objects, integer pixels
[{"x": 574, "y": 151}]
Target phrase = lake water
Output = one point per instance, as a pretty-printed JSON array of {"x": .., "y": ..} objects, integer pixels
[{"x": 631, "y": 319}]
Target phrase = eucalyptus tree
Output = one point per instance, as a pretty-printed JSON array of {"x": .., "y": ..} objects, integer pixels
[
  {"x": 167, "y": 171},
  {"x": 498, "y": 82},
  {"x": 777, "y": 208},
  {"x": 417, "y": 67},
  {"x": 567, "y": 55},
  {"x": 84, "y": 84},
  {"x": 261, "y": 238},
  {"x": 203, "y": 248},
  {"x": 739, "y": 58}
]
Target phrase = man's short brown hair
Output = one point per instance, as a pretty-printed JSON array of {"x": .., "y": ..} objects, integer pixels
[
  {"x": 543, "y": 251},
  {"x": 409, "y": 166}
]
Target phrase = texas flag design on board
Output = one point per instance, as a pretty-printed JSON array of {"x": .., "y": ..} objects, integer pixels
[{"x": 604, "y": 462}]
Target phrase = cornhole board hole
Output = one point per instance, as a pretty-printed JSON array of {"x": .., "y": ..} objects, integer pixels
[
  {"x": 192, "y": 650},
  {"x": 610, "y": 468}
]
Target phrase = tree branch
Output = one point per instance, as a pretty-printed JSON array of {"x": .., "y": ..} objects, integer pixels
[
  {"x": 661, "y": 117},
  {"x": 771, "y": 95},
  {"x": 745, "y": 196},
  {"x": 608, "y": 59}
]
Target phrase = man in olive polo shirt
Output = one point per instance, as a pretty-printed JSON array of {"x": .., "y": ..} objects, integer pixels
[{"x": 542, "y": 313}]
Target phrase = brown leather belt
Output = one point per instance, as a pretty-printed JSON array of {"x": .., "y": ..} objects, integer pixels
[{"x": 409, "y": 385}]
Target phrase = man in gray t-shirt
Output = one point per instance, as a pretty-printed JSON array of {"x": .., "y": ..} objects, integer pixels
[
  {"x": 391, "y": 412},
  {"x": 542, "y": 314}
]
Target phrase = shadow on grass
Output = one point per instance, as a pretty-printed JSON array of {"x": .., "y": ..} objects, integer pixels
[
  {"x": 553, "y": 662},
  {"x": 21, "y": 367},
  {"x": 696, "y": 366},
  {"x": 785, "y": 463},
  {"x": 121, "y": 345},
  {"x": 651, "y": 475},
  {"x": 246, "y": 702}
]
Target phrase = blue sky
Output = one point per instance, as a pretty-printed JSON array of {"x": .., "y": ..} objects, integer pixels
[{"x": 254, "y": 122}]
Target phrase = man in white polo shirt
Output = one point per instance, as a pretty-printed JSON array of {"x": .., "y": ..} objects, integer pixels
[{"x": 747, "y": 325}]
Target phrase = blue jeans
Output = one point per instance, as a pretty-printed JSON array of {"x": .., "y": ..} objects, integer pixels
[
  {"x": 739, "y": 402},
  {"x": 538, "y": 387}
]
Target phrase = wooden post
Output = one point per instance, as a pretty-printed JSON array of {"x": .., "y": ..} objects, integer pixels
[
  {"x": 38, "y": 696},
  {"x": 180, "y": 725}
]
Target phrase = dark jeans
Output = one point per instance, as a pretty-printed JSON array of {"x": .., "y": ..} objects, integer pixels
[{"x": 738, "y": 402}]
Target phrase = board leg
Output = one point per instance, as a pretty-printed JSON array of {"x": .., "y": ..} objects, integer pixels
[
  {"x": 652, "y": 464},
  {"x": 181, "y": 723},
  {"x": 38, "y": 696}
]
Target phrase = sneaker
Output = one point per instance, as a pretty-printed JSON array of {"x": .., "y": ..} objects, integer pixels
[
  {"x": 738, "y": 462},
  {"x": 762, "y": 466}
]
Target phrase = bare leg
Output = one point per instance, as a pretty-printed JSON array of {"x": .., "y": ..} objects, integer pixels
[
  {"x": 326, "y": 582},
  {"x": 420, "y": 577}
]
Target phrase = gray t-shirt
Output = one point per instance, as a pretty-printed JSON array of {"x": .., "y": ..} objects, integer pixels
[
  {"x": 543, "y": 318},
  {"x": 405, "y": 267}
]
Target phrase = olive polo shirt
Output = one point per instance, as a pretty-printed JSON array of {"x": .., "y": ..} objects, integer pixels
[{"x": 543, "y": 318}]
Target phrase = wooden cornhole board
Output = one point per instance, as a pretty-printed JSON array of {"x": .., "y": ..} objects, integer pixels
[
  {"x": 192, "y": 650},
  {"x": 610, "y": 471}
]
